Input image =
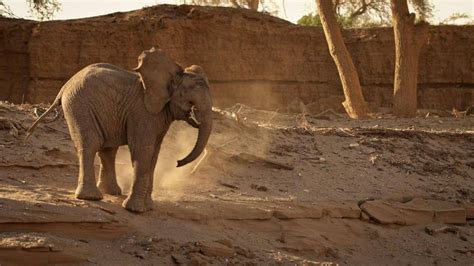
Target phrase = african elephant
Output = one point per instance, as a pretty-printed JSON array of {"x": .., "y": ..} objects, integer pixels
[{"x": 106, "y": 106}]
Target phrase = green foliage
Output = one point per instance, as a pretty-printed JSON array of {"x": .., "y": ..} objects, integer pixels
[
  {"x": 368, "y": 13},
  {"x": 310, "y": 20},
  {"x": 250, "y": 4},
  {"x": 314, "y": 20}
]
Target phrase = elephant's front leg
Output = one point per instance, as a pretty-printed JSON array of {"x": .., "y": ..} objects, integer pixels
[
  {"x": 148, "y": 198},
  {"x": 107, "y": 176},
  {"x": 142, "y": 160}
]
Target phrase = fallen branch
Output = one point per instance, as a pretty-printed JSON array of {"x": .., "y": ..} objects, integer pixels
[
  {"x": 17, "y": 180},
  {"x": 328, "y": 111},
  {"x": 443, "y": 229},
  {"x": 226, "y": 143},
  {"x": 228, "y": 185},
  {"x": 200, "y": 161},
  {"x": 13, "y": 126}
]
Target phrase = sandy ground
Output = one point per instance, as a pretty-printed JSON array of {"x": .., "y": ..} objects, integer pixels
[{"x": 272, "y": 189}]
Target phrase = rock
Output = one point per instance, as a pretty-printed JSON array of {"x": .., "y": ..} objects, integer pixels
[
  {"x": 469, "y": 207},
  {"x": 211, "y": 210},
  {"x": 341, "y": 209},
  {"x": 416, "y": 211},
  {"x": 197, "y": 259},
  {"x": 215, "y": 249},
  {"x": 179, "y": 259},
  {"x": 244, "y": 252},
  {"x": 451, "y": 216},
  {"x": 444, "y": 211},
  {"x": 298, "y": 212},
  {"x": 387, "y": 213},
  {"x": 225, "y": 242},
  {"x": 364, "y": 216}
]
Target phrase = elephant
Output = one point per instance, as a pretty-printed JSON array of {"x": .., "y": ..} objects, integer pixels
[{"x": 106, "y": 106}]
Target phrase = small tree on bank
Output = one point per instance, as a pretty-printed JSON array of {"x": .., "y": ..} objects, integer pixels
[
  {"x": 409, "y": 38},
  {"x": 250, "y": 4},
  {"x": 355, "y": 104},
  {"x": 41, "y": 9}
]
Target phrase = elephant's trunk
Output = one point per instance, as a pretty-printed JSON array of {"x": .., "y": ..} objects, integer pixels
[{"x": 203, "y": 136}]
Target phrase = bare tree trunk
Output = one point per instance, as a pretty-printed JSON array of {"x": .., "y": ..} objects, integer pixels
[
  {"x": 355, "y": 105},
  {"x": 408, "y": 41},
  {"x": 235, "y": 3},
  {"x": 253, "y": 4}
]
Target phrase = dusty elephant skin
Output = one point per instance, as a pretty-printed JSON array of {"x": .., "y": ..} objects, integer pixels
[{"x": 106, "y": 107}]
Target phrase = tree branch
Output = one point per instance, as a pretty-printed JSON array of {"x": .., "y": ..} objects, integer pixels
[
  {"x": 361, "y": 10},
  {"x": 235, "y": 3}
]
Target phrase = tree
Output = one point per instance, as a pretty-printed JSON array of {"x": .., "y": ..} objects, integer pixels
[
  {"x": 409, "y": 38},
  {"x": 5, "y": 10},
  {"x": 355, "y": 104},
  {"x": 44, "y": 9},
  {"x": 309, "y": 20},
  {"x": 367, "y": 13},
  {"x": 250, "y": 4},
  {"x": 314, "y": 20},
  {"x": 456, "y": 17},
  {"x": 41, "y": 9}
]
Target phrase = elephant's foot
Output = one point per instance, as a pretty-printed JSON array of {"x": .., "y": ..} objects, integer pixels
[
  {"x": 134, "y": 204},
  {"x": 149, "y": 203},
  {"x": 88, "y": 193},
  {"x": 109, "y": 188}
]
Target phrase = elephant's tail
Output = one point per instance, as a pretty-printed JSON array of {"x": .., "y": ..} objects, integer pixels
[{"x": 56, "y": 103}]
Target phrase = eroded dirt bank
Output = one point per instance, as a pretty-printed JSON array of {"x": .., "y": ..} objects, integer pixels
[
  {"x": 247, "y": 55},
  {"x": 272, "y": 188}
]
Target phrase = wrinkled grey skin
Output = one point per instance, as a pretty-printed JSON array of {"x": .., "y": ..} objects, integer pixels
[{"x": 106, "y": 107}]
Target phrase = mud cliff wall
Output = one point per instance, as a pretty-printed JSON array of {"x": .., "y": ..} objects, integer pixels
[{"x": 249, "y": 57}]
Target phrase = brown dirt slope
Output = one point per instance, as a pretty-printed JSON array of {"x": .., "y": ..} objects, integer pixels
[{"x": 272, "y": 188}]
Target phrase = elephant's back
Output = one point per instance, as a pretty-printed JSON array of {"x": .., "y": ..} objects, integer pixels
[
  {"x": 101, "y": 80},
  {"x": 104, "y": 93}
]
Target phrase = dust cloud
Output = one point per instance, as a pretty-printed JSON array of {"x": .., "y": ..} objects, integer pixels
[
  {"x": 174, "y": 184},
  {"x": 169, "y": 181}
]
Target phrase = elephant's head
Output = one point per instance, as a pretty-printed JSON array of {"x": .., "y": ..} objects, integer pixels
[
  {"x": 191, "y": 101},
  {"x": 157, "y": 71},
  {"x": 186, "y": 92}
]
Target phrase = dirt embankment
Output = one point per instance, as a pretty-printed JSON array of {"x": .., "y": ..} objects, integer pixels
[
  {"x": 272, "y": 188},
  {"x": 248, "y": 56}
]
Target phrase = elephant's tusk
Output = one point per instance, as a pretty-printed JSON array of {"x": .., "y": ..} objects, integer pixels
[{"x": 192, "y": 115}]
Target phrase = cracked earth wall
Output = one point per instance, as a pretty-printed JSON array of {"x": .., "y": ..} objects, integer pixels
[{"x": 252, "y": 58}]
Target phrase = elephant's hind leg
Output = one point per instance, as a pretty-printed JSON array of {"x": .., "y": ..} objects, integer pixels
[
  {"x": 86, "y": 188},
  {"x": 107, "y": 176},
  {"x": 82, "y": 127}
]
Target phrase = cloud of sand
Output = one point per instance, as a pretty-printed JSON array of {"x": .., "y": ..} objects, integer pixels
[{"x": 169, "y": 181}]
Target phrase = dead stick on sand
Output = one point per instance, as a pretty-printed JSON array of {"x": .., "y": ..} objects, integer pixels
[
  {"x": 225, "y": 143},
  {"x": 328, "y": 111},
  {"x": 199, "y": 162}
]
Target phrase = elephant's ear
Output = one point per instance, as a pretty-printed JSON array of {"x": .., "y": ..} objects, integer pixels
[
  {"x": 156, "y": 71},
  {"x": 197, "y": 70}
]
